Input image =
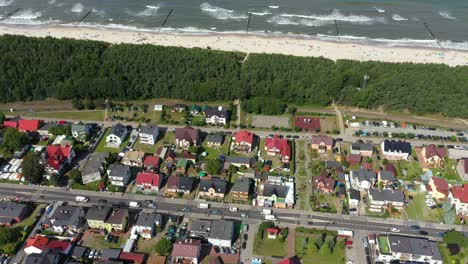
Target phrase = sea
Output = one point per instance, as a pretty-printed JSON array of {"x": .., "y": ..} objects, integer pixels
[{"x": 427, "y": 23}]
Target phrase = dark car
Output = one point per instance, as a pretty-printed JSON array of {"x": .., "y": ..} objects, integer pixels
[
  {"x": 296, "y": 137},
  {"x": 115, "y": 239},
  {"x": 415, "y": 227},
  {"x": 424, "y": 233},
  {"x": 244, "y": 245},
  {"x": 215, "y": 212},
  {"x": 102, "y": 201},
  {"x": 338, "y": 139},
  {"x": 246, "y": 236}
]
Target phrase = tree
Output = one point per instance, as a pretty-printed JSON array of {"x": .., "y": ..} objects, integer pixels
[
  {"x": 6, "y": 235},
  {"x": 77, "y": 104},
  {"x": 13, "y": 139},
  {"x": 213, "y": 166},
  {"x": 33, "y": 170},
  {"x": 2, "y": 118},
  {"x": 163, "y": 247},
  {"x": 325, "y": 250},
  {"x": 284, "y": 233},
  {"x": 75, "y": 176},
  {"x": 385, "y": 162},
  {"x": 60, "y": 130},
  {"x": 453, "y": 138}
]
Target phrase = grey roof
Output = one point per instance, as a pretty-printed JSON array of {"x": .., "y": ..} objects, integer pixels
[
  {"x": 278, "y": 190},
  {"x": 412, "y": 245},
  {"x": 242, "y": 185},
  {"x": 47, "y": 126},
  {"x": 118, "y": 170},
  {"x": 149, "y": 129},
  {"x": 94, "y": 163},
  {"x": 435, "y": 251},
  {"x": 66, "y": 215},
  {"x": 362, "y": 146},
  {"x": 50, "y": 256},
  {"x": 355, "y": 194},
  {"x": 110, "y": 254},
  {"x": 215, "y": 138},
  {"x": 11, "y": 209},
  {"x": 397, "y": 146},
  {"x": 364, "y": 175},
  {"x": 341, "y": 176},
  {"x": 387, "y": 176},
  {"x": 240, "y": 160},
  {"x": 79, "y": 127},
  {"x": 185, "y": 183},
  {"x": 331, "y": 164},
  {"x": 147, "y": 219},
  {"x": 222, "y": 229},
  {"x": 200, "y": 227},
  {"x": 98, "y": 212},
  {"x": 219, "y": 185},
  {"x": 216, "y": 112},
  {"x": 78, "y": 252},
  {"x": 117, "y": 216},
  {"x": 118, "y": 130},
  {"x": 387, "y": 195}
]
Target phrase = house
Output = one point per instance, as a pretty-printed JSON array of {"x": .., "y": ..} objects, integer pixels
[
  {"x": 332, "y": 165},
  {"x": 97, "y": 215},
  {"x": 243, "y": 142},
  {"x": 119, "y": 174},
  {"x": 396, "y": 150},
  {"x": 215, "y": 140},
  {"x": 458, "y": 198},
  {"x": 146, "y": 224},
  {"x": 78, "y": 253},
  {"x": 195, "y": 109},
  {"x": 354, "y": 159},
  {"x": 58, "y": 158},
  {"x": 149, "y": 134},
  {"x": 390, "y": 167},
  {"x": 278, "y": 146},
  {"x": 130, "y": 257},
  {"x": 158, "y": 107},
  {"x": 151, "y": 163},
  {"x": 324, "y": 185},
  {"x": 133, "y": 158},
  {"x": 12, "y": 213},
  {"x": 433, "y": 156},
  {"x": 439, "y": 188},
  {"x": 179, "y": 184},
  {"x": 80, "y": 131},
  {"x": 48, "y": 256},
  {"x": 179, "y": 108},
  {"x": 462, "y": 169},
  {"x": 239, "y": 161},
  {"x": 187, "y": 136},
  {"x": 278, "y": 195},
  {"x": 322, "y": 143},
  {"x": 212, "y": 188},
  {"x": 36, "y": 244},
  {"x": 363, "y": 149},
  {"x": 241, "y": 189},
  {"x": 191, "y": 158},
  {"x": 362, "y": 179},
  {"x": 407, "y": 249},
  {"x": 65, "y": 217},
  {"x": 216, "y": 116},
  {"x": 117, "y": 220},
  {"x": 44, "y": 129},
  {"x": 380, "y": 200},
  {"x": 29, "y": 124},
  {"x": 354, "y": 198},
  {"x": 181, "y": 166},
  {"x": 272, "y": 232},
  {"x": 221, "y": 233},
  {"x": 94, "y": 167},
  {"x": 148, "y": 181},
  {"x": 386, "y": 177},
  {"x": 186, "y": 251},
  {"x": 117, "y": 135},
  {"x": 306, "y": 123},
  {"x": 62, "y": 246},
  {"x": 200, "y": 228}
]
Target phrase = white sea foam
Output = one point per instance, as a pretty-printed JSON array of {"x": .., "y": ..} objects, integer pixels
[
  {"x": 279, "y": 20},
  {"x": 51, "y": 2},
  {"x": 273, "y": 7},
  {"x": 337, "y": 15},
  {"x": 25, "y": 17},
  {"x": 149, "y": 11},
  {"x": 397, "y": 17},
  {"x": 6, "y": 2},
  {"x": 77, "y": 8},
  {"x": 220, "y": 13},
  {"x": 99, "y": 12},
  {"x": 446, "y": 14},
  {"x": 380, "y": 10},
  {"x": 263, "y": 13}
]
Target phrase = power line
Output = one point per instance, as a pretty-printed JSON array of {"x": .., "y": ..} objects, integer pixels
[{"x": 165, "y": 20}]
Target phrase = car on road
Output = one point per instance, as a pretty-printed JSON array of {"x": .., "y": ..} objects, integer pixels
[
  {"x": 424, "y": 233},
  {"x": 233, "y": 209},
  {"x": 396, "y": 230},
  {"x": 215, "y": 212},
  {"x": 244, "y": 245},
  {"x": 186, "y": 209},
  {"x": 246, "y": 236},
  {"x": 244, "y": 215},
  {"x": 415, "y": 227},
  {"x": 102, "y": 201},
  {"x": 296, "y": 137},
  {"x": 152, "y": 206}
]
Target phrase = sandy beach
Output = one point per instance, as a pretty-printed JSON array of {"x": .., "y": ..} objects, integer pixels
[{"x": 253, "y": 44}]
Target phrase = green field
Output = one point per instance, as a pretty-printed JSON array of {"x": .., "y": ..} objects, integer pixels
[
  {"x": 306, "y": 250},
  {"x": 214, "y": 152},
  {"x": 269, "y": 247},
  {"x": 418, "y": 210},
  {"x": 384, "y": 245},
  {"x": 89, "y": 115}
]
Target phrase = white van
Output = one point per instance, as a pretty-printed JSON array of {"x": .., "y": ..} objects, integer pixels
[
  {"x": 266, "y": 212},
  {"x": 82, "y": 199},
  {"x": 203, "y": 205},
  {"x": 134, "y": 204},
  {"x": 271, "y": 217}
]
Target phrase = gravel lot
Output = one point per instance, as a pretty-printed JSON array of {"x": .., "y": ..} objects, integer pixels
[{"x": 269, "y": 121}]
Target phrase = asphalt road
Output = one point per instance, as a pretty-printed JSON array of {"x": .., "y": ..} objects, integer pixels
[{"x": 174, "y": 206}]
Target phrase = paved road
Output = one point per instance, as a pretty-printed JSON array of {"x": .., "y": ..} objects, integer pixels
[
  {"x": 308, "y": 174},
  {"x": 290, "y": 216}
]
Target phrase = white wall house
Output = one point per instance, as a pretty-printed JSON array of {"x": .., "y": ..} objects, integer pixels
[
  {"x": 117, "y": 135},
  {"x": 216, "y": 116},
  {"x": 149, "y": 134}
]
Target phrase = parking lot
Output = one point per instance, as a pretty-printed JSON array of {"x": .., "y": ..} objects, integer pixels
[{"x": 267, "y": 121}]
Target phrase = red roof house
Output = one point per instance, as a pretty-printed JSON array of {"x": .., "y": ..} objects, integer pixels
[
  {"x": 278, "y": 146},
  {"x": 439, "y": 188},
  {"x": 354, "y": 159},
  {"x": 63, "y": 246},
  {"x": 147, "y": 181},
  {"x": 459, "y": 199},
  {"x": 58, "y": 156},
  {"x": 390, "y": 167},
  {"x": 186, "y": 249},
  {"x": 244, "y": 141},
  {"x": 272, "y": 232},
  {"x": 307, "y": 123},
  {"x": 151, "y": 162},
  {"x": 36, "y": 244},
  {"x": 12, "y": 122},
  {"x": 137, "y": 258},
  {"x": 324, "y": 184},
  {"x": 433, "y": 156},
  {"x": 29, "y": 125},
  {"x": 322, "y": 143}
]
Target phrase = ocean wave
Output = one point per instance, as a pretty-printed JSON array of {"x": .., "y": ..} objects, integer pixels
[
  {"x": 98, "y": 12},
  {"x": 380, "y": 10},
  {"x": 77, "y": 8},
  {"x": 220, "y": 13},
  {"x": 6, "y": 2},
  {"x": 281, "y": 20},
  {"x": 150, "y": 10},
  {"x": 273, "y": 7},
  {"x": 51, "y": 2},
  {"x": 397, "y": 17},
  {"x": 446, "y": 14},
  {"x": 263, "y": 13},
  {"x": 25, "y": 17},
  {"x": 338, "y": 16}
]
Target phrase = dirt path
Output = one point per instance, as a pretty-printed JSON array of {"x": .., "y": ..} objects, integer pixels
[
  {"x": 308, "y": 174},
  {"x": 290, "y": 252}
]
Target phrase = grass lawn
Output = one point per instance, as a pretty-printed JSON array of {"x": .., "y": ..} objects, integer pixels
[
  {"x": 269, "y": 247},
  {"x": 413, "y": 170},
  {"x": 418, "y": 210},
  {"x": 97, "y": 241},
  {"x": 165, "y": 139},
  {"x": 101, "y": 147},
  {"x": 150, "y": 149},
  {"x": 91, "y": 115},
  {"x": 306, "y": 250},
  {"x": 214, "y": 152},
  {"x": 276, "y": 160},
  {"x": 448, "y": 258},
  {"x": 384, "y": 245},
  {"x": 449, "y": 172},
  {"x": 89, "y": 187},
  {"x": 177, "y": 118}
]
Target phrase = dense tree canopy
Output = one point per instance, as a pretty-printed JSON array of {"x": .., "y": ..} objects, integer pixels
[
  {"x": 33, "y": 170},
  {"x": 32, "y": 68}
]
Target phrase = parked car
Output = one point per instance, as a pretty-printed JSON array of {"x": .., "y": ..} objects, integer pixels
[
  {"x": 396, "y": 230},
  {"x": 244, "y": 245}
]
